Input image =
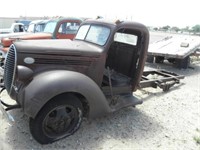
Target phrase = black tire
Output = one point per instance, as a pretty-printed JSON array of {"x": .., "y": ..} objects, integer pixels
[
  {"x": 59, "y": 118},
  {"x": 150, "y": 59},
  {"x": 183, "y": 63},
  {"x": 171, "y": 60},
  {"x": 159, "y": 59}
]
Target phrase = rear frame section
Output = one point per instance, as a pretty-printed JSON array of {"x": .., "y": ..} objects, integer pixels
[{"x": 159, "y": 78}]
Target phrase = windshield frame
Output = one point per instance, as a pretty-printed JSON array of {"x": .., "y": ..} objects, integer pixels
[{"x": 89, "y": 33}]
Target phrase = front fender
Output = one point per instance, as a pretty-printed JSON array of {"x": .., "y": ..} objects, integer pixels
[{"x": 46, "y": 85}]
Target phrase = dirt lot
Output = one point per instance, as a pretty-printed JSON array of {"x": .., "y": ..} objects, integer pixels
[{"x": 166, "y": 120}]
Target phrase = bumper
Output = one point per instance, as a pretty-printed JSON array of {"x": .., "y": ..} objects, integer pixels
[
  {"x": 2, "y": 57},
  {"x": 6, "y": 114},
  {"x": 4, "y": 108}
]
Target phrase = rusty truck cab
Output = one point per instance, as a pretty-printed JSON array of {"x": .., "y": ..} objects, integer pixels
[{"x": 125, "y": 47}]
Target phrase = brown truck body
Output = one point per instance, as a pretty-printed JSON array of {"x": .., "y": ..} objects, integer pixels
[{"x": 58, "y": 82}]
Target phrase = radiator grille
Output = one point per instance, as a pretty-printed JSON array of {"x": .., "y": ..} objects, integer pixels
[{"x": 10, "y": 66}]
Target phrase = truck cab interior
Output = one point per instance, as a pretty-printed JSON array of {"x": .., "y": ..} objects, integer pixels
[{"x": 122, "y": 59}]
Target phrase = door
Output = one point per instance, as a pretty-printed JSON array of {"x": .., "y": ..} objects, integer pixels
[
  {"x": 127, "y": 53},
  {"x": 123, "y": 53}
]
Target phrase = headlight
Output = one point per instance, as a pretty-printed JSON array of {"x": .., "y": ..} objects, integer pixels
[{"x": 24, "y": 73}]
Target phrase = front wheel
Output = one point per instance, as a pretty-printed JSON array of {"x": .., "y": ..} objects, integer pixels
[{"x": 59, "y": 118}]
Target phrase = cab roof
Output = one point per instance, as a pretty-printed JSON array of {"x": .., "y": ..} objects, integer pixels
[{"x": 65, "y": 18}]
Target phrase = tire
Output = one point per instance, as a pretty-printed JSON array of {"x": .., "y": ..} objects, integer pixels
[
  {"x": 150, "y": 59},
  {"x": 183, "y": 63},
  {"x": 159, "y": 59},
  {"x": 171, "y": 60},
  {"x": 59, "y": 118}
]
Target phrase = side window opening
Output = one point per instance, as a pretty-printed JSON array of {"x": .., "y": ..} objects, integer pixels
[
  {"x": 126, "y": 38},
  {"x": 68, "y": 28},
  {"x": 21, "y": 28}
]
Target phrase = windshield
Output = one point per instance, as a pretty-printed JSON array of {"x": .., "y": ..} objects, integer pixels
[
  {"x": 31, "y": 28},
  {"x": 50, "y": 27},
  {"x": 36, "y": 27},
  {"x": 93, "y": 33},
  {"x": 40, "y": 27}
]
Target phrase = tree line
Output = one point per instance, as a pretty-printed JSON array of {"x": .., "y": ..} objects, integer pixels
[{"x": 195, "y": 29}]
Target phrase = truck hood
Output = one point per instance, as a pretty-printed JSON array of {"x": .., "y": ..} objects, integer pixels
[
  {"x": 58, "y": 47},
  {"x": 7, "y": 30},
  {"x": 6, "y": 42},
  {"x": 8, "y": 35},
  {"x": 33, "y": 36}
]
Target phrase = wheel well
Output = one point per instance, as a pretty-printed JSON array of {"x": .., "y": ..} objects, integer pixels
[{"x": 78, "y": 95}]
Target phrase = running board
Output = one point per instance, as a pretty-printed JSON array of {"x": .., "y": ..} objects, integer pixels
[{"x": 122, "y": 101}]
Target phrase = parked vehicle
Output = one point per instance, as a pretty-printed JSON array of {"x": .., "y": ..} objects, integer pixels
[
  {"x": 34, "y": 26},
  {"x": 15, "y": 27},
  {"x": 37, "y": 26},
  {"x": 25, "y": 22},
  {"x": 58, "y": 82},
  {"x": 15, "y": 30},
  {"x": 59, "y": 28},
  {"x": 176, "y": 49}
]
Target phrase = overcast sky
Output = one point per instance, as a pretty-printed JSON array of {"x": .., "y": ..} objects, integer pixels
[{"x": 149, "y": 12}]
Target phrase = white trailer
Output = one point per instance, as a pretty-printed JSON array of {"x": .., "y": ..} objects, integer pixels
[{"x": 176, "y": 49}]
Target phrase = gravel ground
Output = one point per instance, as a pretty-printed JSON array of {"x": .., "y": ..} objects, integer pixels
[{"x": 166, "y": 120}]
